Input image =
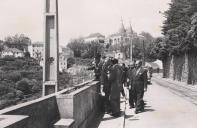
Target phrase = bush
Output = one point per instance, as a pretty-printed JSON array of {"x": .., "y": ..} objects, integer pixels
[
  {"x": 36, "y": 86},
  {"x": 8, "y": 68},
  {"x": 70, "y": 62},
  {"x": 4, "y": 89},
  {"x": 10, "y": 95},
  {"x": 19, "y": 94},
  {"x": 13, "y": 76},
  {"x": 24, "y": 86},
  {"x": 8, "y": 58}
]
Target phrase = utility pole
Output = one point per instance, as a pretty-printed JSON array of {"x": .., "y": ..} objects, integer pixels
[
  {"x": 131, "y": 50},
  {"x": 51, "y": 48},
  {"x": 143, "y": 53}
]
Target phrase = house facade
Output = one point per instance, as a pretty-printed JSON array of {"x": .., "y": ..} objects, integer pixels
[{"x": 14, "y": 52}]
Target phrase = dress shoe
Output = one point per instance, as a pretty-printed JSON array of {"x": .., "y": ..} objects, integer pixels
[{"x": 136, "y": 111}]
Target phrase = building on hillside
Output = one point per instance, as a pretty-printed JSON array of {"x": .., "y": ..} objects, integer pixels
[
  {"x": 36, "y": 50},
  {"x": 14, "y": 52},
  {"x": 63, "y": 57},
  {"x": 95, "y": 37},
  {"x": 123, "y": 37}
]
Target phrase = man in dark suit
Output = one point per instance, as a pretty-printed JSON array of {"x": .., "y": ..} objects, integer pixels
[
  {"x": 105, "y": 84},
  {"x": 139, "y": 82},
  {"x": 130, "y": 85}
]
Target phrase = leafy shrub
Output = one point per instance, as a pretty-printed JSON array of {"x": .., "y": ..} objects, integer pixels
[
  {"x": 70, "y": 62},
  {"x": 9, "y": 58},
  {"x": 8, "y": 68},
  {"x": 24, "y": 86},
  {"x": 6, "y": 102},
  {"x": 4, "y": 89},
  {"x": 10, "y": 95},
  {"x": 19, "y": 94},
  {"x": 13, "y": 76}
]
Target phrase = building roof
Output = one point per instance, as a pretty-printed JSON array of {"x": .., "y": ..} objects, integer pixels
[
  {"x": 122, "y": 28},
  {"x": 95, "y": 35},
  {"x": 38, "y": 44},
  {"x": 13, "y": 50}
]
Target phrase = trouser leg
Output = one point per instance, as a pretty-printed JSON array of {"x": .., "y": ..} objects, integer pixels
[
  {"x": 107, "y": 103},
  {"x": 122, "y": 91},
  {"x": 131, "y": 98},
  {"x": 140, "y": 102}
]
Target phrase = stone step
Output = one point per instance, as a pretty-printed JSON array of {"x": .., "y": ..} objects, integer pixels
[{"x": 64, "y": 123}]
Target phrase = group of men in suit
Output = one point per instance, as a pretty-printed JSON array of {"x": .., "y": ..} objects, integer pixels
[{"x": 113, "y": 76}]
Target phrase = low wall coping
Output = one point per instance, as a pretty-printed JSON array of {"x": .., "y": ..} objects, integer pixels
[
  {"x": 3, "y": 111},
  {"x": 7, "y": 120},
  {"x": 71, "y": 95},
  {"x": 84, "y": 88}
]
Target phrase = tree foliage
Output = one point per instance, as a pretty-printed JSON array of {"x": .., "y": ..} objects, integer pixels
[
  {"x": 20, "y": 42},
  {"x": 179, "y": 28},
  {"x": 77, "y": 46},
  {"x": 83, "y": 49}
]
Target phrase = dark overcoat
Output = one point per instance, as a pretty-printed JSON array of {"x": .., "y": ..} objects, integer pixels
[{"x": 115, "y": 82}]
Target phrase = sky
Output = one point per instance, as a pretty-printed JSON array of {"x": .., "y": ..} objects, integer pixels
[{"x": 81, "y": 17}]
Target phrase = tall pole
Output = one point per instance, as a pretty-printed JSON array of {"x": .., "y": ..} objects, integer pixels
[
  {"x": 51, "y": 48},
  {"x": 131, "y": 50},
  {"x": 143, "y": 53}
]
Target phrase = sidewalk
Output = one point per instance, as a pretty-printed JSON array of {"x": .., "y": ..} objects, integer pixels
[
  {"x": 178, "y": 83},
  {"x": 188, "y": 92}
]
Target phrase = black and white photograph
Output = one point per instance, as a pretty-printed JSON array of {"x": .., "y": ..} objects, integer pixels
[{"x": 98, "y": 64}]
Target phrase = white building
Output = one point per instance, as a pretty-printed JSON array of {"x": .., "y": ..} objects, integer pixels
[
  {"x": 14, "y": 52},
  {"x": 123, "y": 37},
  {"x": 63, "y": 57},
  {"x": 95, "y": 37},
  {"x": 37, "y": 50}
]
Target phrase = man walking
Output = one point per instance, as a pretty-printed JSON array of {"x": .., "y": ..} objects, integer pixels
[{"x": 139, "y": 82}]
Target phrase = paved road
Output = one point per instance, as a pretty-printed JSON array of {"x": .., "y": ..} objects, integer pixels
[{"x": 164, "y": 109}]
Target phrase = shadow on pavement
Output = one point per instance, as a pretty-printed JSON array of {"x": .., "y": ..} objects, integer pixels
[
  {"x": 96, "y": 122},
  {"x": 135, "y": 119},
  {"x": 128, "y": 116},
  {"x": 111, "y": 117},
  {"x": 149, "y": 110}
]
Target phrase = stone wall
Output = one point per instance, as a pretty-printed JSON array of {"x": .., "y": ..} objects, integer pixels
[
  {"x": 182, "y": 67},
  {"x": 41, "y": 112},
  {"x": 46, "y": 111},
  {"x": 192, "y": 62},
  {"x": 81, "y": 105}
]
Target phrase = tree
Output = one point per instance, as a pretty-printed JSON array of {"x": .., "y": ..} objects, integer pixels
[
  {"x": 20, "y": 42},
  {"x": 70, "y": 62},
  {"x": 85, "y": 50},
  {"x": 177, "y": 24},
  {"x": 77, "y": 46},
  {"x": 160, "y": 49}
]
